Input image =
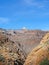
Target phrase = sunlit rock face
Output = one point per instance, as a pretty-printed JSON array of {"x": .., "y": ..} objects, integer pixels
[{"x": 39, "y": 53}]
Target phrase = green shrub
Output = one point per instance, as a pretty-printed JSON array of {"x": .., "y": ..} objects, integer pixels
[
  {"x": 2, "y": 59},
  {"x": 45, "y": 62}
]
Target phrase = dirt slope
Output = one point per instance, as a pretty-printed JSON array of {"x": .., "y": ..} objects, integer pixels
[{"x": 40, "y": 52}]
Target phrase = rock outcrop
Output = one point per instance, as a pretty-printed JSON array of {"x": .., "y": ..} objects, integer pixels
[
  {"x": 40, "y": 52},
  {"x": 9, "y": 52}
]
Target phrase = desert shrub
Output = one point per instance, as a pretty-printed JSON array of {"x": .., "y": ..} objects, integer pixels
[
  {"x": 2, "y": 59},
  {"x": 45, "y": 62}
]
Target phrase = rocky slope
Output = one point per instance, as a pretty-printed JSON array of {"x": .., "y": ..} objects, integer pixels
[
  {"x": 39, "y": 53},
  {"x": 28, "y": 39},
  {"x": 16, "y": 44}
]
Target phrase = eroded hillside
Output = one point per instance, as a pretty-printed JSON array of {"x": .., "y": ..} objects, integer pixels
[
  {"x": 16, "y": 44},
  {"x": 40, "y": 53}
]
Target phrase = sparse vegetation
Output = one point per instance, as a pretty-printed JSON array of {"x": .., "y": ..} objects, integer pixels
[
  {"x": 45, "y": 62},
  {"x": 2, "y": 59}
]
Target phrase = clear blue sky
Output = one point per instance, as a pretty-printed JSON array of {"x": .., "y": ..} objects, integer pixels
[{"x": 32, "y": 14}]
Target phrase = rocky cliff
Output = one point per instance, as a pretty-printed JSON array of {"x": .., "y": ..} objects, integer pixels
[{"x": 39, "y": 53}]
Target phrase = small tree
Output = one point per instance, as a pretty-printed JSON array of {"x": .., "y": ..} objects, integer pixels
[{"x": 45, "y": 62}]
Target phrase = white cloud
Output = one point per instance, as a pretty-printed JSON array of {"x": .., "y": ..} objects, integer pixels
[
  {"x": 4, "y": 20},
  {"x": 35, "y": 3},
  {"x": 24, "y": 28},
  {"x": 30, "y": 2}
]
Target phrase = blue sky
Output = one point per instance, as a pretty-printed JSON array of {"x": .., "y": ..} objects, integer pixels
[{"x": 32, "y": 14}]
